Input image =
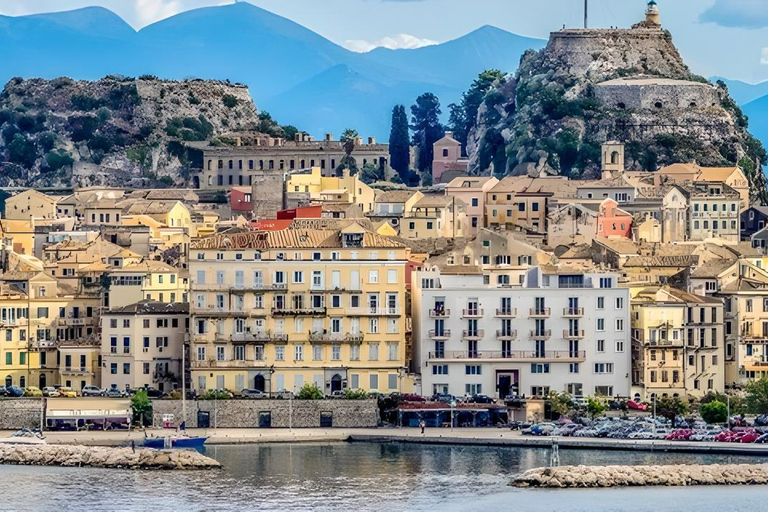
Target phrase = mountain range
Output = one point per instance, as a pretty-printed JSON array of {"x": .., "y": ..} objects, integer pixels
[{"x": 300, "y": 77}]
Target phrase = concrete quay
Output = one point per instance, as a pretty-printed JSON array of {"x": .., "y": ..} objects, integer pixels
[{"x": 464, "y": 436}]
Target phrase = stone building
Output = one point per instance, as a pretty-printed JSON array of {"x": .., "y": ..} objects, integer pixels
[{"x": 252, "y": 156}]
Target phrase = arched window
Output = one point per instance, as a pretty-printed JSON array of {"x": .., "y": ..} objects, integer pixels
[
  {"x": 8, "y": 381},
  {"x": 615, "y": 157},
  {"x": 22, "y": 382},
  {"x": 210, "y": 164}
]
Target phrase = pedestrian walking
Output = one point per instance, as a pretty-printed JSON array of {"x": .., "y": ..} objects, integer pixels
[{"x": 422, "y": 424}]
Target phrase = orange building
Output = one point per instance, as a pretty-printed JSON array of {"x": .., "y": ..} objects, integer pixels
[{"x": 612, "y": 221}]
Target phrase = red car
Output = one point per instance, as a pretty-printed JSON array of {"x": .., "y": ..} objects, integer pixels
[{"x": 637, "y": 406}]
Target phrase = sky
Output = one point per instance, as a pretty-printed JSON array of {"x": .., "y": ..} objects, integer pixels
[{"x": 716, "y": 37}]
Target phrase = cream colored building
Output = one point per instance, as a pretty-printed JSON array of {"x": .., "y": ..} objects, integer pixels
[
  {"x": 142, "y": 345},
  {"x": 678, "y": 343},
  {"x": 30, "y": 204},
  {"x": 435, "y": 217},
  {"x": 277, "y": 310}
]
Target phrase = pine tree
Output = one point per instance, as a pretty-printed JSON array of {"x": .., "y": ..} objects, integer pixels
[
  {"x": 464, "y": 115},
  {"x": 399, "y": 144},
  {"x": 425, "y": 123}
]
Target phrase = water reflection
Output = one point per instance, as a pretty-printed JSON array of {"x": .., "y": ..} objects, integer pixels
[{"x": 353, "y": 477}]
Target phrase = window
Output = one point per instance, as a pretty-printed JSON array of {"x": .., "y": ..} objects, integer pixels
[
  {"x": 279, "y": 353},
  {"x": 440, "y": 369},
  {"x": 113, "y": 368},
  {"x": 392, "y": 351},
  {"x": 620, "y": 346},
  {"x": 601, "y": 345},
  {"x": 374, "y": 381},
  {"x": 603, "y": 368},
  {"x": 619, "y": 324},
  {"x": 373, "y": 351},
  {"x": 126, "y": 368},
  {"x": 539, "y": 367},
  {"x": 373, "y": 276},
  {"x": 473, "y": 369},
  {"x": 601, "y": 303},
  {"x": 335, "y": 352},
  {"x": 573, "y": 368},
  {"x": 201, "y": 353},
  {"x": 600, "y": 324},
  {"x": 298, "y": 277},
  {"x": 392, "y": 276},
  {"x": 619, "y": 302}
]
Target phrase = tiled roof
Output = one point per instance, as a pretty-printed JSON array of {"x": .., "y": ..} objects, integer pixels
[
  {"x": 289, "y": 239},
  {"x": 394, "y": 196}
]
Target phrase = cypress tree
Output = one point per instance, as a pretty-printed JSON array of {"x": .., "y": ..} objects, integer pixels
[{"x": 399, "y": 146}]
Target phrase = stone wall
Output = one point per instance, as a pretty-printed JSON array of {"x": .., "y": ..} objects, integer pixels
[
  {"x": 281, "y": 413},
  {"x": 16, "y": 413}
]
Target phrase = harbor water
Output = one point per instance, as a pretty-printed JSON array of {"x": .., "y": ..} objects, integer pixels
[{"x": 362, "y": 476}]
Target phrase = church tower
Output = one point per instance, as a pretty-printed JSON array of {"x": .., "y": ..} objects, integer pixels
[
  {"x": 652, "y": 16},
  {"x": 613, "y": 159}
]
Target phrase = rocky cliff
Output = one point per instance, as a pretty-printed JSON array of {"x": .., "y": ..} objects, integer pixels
[
  {"x": 590, "y": 86},
  {"x": 113, "y": 131}
]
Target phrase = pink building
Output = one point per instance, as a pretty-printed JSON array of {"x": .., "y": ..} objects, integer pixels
[
  {"x": 612, "y": 221},
  {"x": 471, "y": 190},
  {"x": 448, "y": 160}
]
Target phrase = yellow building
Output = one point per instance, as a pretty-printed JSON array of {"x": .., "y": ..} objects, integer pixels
[
  {"x": 277, "y": 310},
  {"x": 505, "y": 204},
  {"x": 20, "y": 234},
  {"x": 146, "y": 280},
  {"x": 346, "y": 188},
  {"x": 41, "y": 318},
  {"x": 435, "y": 217},
  {"x": 678, "y": 343}
]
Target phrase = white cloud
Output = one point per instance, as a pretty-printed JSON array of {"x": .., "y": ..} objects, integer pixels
[
  {"x": 150, "y": 11},
  {"x": 395, "y": 42}
]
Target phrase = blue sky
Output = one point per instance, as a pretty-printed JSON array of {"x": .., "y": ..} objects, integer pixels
[{"x": 723, "y": 37}]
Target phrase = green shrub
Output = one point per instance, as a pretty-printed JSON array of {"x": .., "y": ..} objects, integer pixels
[
  {"x": 229, "y": 101},
  {"x": 58, "y": 158},
  {"x": 596, "y": 406},
  {"x": 356, "y": 394},
  {"x": 46, "y": 141},
  {"x": 142, "y": 408},
  {"x": 310, "y": 392},
  {"x": 215, "y": 394},
  {"x": 85, "y": 102},
  {"x": 22, "y": 151},
  {"x": 714, "y": 412}
]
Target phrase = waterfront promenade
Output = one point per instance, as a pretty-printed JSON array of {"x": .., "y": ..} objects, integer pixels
[{"x": 463, "y": 436}]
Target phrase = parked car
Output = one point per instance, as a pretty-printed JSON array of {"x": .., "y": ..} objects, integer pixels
[
  {"x": 252, "y": 393},
  {"x": 51, "y": 392},
  {"x": 3, "y": 391},
  {"x": 14, "y": 391},
  {"x": 92, "y": 391},
  {"x": 338, "y": 394},
  {"x": 151, "y": 392},
  {"x": 481, "y": 399},
  {"x": 67, "y": 392},
  {"x": 412, "y": 398},
  {"x": 637, "y": 406},
  {"x": 114, "y": 392},
  {"x": 444, "y": 398},
  {"x": 33, "y": 391},
  {"x": 284, "y": 394}
]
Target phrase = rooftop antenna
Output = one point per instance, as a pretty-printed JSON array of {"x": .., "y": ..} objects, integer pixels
[{"x": 586, "y": 13}]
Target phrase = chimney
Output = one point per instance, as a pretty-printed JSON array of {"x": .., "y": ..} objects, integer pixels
[
  {"x": 449, "y": 135},
  {"x": 328, "y": 137},
  {"x": 371, "y": 141}
]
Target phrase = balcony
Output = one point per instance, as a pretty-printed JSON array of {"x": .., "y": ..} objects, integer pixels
[
  {"x": 258, "y": 286},
  {"x": 577, "y": 334},
  {"x": 523, "y": 356},
  {"x": 251, "y": 337},
  {"x": 472, "y": 313},
  {"x": 664, "y": 343},
  {"x": 439, "y": 313},
  {"x": 443, "y": 334},
  {"x": 373, "y": 311},
  {"x": 228, "y": 363},
  {"x": 298, "y": 311},
  {"x": 506, "y": 334},
  {"x": 539, "y": 313},
  {"x": 573, "y": 312},
  {"x": 476, "y": 334},
  {"x": 75, "y": 370},
  {"x": 506, "y": 313},
  {"x": 76, "y": 321},
  {"x": 218, "y": 312},
  {"x": 336, "y": 337},
  {"x": 750, "y": 337},
  {"x": 541, "y": 335}
]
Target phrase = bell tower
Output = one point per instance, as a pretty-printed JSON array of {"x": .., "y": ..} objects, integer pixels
[
  {"x": 613, "y": 159},
  {"x": 652, "y": 15}
]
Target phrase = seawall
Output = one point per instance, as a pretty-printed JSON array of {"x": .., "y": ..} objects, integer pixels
[
  {"x": 641, "y": 476},
  {"x": 103, "y": 457}
]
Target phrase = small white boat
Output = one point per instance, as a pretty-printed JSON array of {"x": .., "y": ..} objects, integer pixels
[{"x": 24, "y": 436}]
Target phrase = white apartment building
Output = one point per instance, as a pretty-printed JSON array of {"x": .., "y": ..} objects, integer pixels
[
  {"x": 142, "y": 345},
  {"x": 557, "y": 331}
]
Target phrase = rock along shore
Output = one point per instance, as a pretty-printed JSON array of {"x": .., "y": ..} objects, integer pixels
[
  {"x": 103, "y": 457},
  {"x": 634, "y": 476}
]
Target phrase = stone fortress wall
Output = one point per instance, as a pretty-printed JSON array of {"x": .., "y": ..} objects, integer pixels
[{"x": 656, "y": 94}]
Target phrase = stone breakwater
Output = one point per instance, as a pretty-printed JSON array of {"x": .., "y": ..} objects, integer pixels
[
  {"x": 103, "y": 457},
  {"x": 635, "y": 476}
]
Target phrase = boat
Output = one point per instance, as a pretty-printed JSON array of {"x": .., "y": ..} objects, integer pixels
[
  {"x": 179, "y": 439},
  {"x": 24, "y": 436}
]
